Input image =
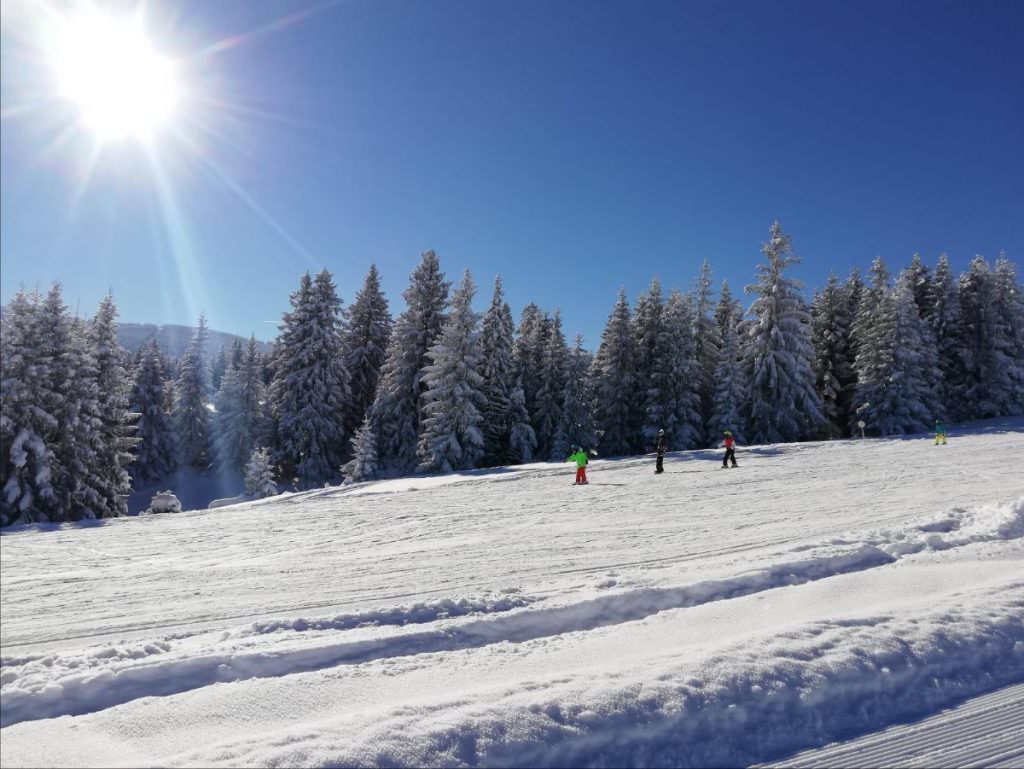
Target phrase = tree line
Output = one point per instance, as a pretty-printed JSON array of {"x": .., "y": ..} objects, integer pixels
[{"x": 353, "y": 393}]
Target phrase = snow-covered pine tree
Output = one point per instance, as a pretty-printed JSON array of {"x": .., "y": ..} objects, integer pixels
[
  {"x": 363, "y": 465},
  {"x": 551, "y": 392},
  {"x": 239, "y": 417},
  {"x": 832, "y": 363},
  {"x": 730, "y": 395},
  {"x": 395, "y": 414},
  {"x": 259, "y": 475},
  {"x": 365, "y": 343},
  {"x": 310, "y": 391},
  {"x": 522, "y": 440},
  {"x": 71, "y": 395},
  {"x": 728, "y": 312},
  {"x": 950, "y": 343},
  {"x": 783, "y": 406},
  {"x": 872, "y": 333},
  {"x": 155, "y": 454},
  {"x": 218, "y": 368},
  {"x": 116, "y": 440},
  {"x": 706, "y": 344},
  {"x": 615, "y": 384},
  {"x": 684, "y": 426},
  {"x": 989, "y": 337},
  {"x": 896, "y": 366},
  {"x": 921, "y": 284},
  {"x": 191, "y": 416},
  {"x": 26, "y": 490},
  {"x": 451, "y": 438},
  {"x": 237, "y": 352},
  {"x": 576, "y": 427},
  {"x": 652, "y": 375},
  {"x": 914, "y": 384},
  {"x": 1010, "y": 306},
  {"x": 527, "y": 352},
  {"x": 497, "y": 368},
  {"x": 853, "y": 293}
]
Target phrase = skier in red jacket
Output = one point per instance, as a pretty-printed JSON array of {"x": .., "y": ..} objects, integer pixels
[{"x": 730, "y": 450}]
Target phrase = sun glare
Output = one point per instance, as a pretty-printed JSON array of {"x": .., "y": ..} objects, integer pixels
[{"x": 107, "y": 67}]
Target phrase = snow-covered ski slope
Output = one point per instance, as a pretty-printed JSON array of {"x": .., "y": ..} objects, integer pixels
[{"x": 819, "y": 593}]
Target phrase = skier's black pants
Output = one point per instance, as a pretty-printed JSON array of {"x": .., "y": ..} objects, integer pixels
[
  {"x": 659, "y": 466},
  {"x": 730, "y": 454}
]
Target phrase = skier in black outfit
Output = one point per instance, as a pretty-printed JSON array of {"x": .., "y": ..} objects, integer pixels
[{"x": 662, "y": 444}]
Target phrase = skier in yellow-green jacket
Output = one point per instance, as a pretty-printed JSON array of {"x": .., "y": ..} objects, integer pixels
[{"x": 579, "y": 456}]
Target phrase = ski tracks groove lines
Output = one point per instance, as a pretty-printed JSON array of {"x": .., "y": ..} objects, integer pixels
[{"x": 82, "y": 692}]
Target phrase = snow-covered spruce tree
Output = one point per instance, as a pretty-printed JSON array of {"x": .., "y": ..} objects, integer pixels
[
  {"x": 783, "y": 405},
  {"x": 1010, "y": 306},
  {"x": 896, "y": 365},
  {"x": 191, "y": 416},
  {"x": 363, "y": 465},
  {"x": 26, "y": 491},
  {"x": 551, "y": 394},
  {"x": 685, "y": 427},
  {"x": 833, "y": 364},
  {"x": 237, "y": 352},
  {"x": 706, "y": 344},
  {"x": 259, "y": 475},
  {"x": 239, "y": 417},
  {"x": 872, "y": 333},
  {"x": 155, "y": 454},
  {"x": 451, "y": 438},
  {"x": 522, "y": 440},
  {"x": 730, "y": 392},
  {"x": 497, "y": 368},
  {"x": 920, "y": 282},
  {"x": 527, "y": 352},
  {"x": 652, "y": 376},
  {"x": 853, "y": 293},
  {"x": 117, "y": 441},
  {"x": 310, "y": 392},
  {"x": 365, "y": 343},
  {"x": 218, "y": 368},
  {"x": 615, "y": 384},
  {"x": 728, "y": 312},
  {"x": 950, "y": 343},
  {"x": 989, "y": 338},
  {"x": 673, "y": 398},
  {"x": 914, "y": 384},
  {"x": 72, "y": 397},
  {"x": 395, "y": 414},
  {"x": 576, "y": 427}
]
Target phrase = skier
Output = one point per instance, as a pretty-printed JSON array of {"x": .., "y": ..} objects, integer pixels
[
  {"x": 662, "y": 443},
  {"x": 730, "y": 450},
  {"x": 940, "y": 432},
  {"x": 579, "y": 456}
]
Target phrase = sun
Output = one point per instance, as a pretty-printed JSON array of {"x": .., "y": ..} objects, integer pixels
[{"x": 107, "y": 67}]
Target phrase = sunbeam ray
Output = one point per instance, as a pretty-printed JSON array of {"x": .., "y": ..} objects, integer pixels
[
  {"x": 246, "y": 198},
  {"x": 262, "y": 31},
  {"x": 190, "y": 279}
]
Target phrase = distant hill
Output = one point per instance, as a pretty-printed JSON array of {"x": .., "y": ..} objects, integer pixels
[{"x": 173, "y": 339}]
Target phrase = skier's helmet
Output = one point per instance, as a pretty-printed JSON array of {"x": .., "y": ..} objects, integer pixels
[
  {"x": 661, "y": 432},
  {"x": 727, "y": 432}
]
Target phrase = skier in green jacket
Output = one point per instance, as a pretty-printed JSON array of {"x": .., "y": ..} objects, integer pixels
[{"x": 579, "y": 456}]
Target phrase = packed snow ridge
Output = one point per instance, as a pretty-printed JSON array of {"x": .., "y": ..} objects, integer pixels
[{"x": 703, "y": 617}]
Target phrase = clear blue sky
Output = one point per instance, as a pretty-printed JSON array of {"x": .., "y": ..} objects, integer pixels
[{"x": 574, "y": 147}]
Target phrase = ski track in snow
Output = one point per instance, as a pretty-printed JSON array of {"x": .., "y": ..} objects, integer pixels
[{"x": 462, "y": 570}]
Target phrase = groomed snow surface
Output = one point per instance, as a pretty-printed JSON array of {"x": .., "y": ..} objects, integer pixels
[{"x": 851, "y": 603}]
